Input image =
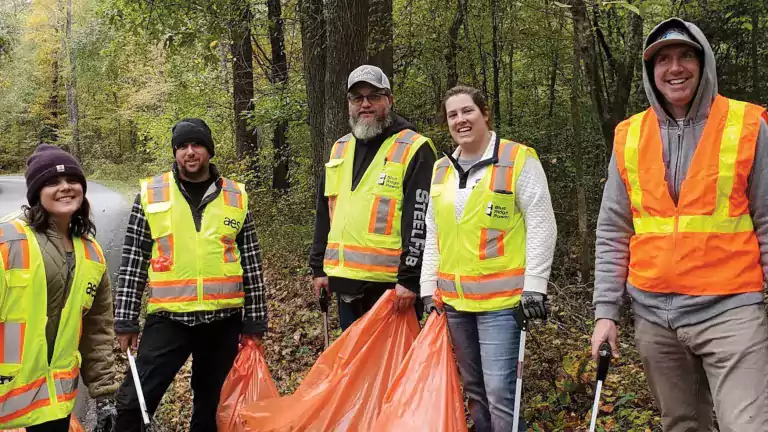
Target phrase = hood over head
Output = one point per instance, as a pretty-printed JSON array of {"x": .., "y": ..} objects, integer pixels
[{"x": 707, "y": 90}]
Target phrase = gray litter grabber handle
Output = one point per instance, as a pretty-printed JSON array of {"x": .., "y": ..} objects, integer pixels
[{"x": 603, "y": 362}]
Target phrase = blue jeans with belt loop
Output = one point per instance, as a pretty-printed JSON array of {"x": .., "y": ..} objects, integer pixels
[{"x": 486, "y": 346}]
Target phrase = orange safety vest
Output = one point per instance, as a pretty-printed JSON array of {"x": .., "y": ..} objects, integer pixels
[{"x": 706, "y": 244}]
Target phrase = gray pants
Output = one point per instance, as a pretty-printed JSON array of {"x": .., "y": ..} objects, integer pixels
[{"x": 724, "y": 359}]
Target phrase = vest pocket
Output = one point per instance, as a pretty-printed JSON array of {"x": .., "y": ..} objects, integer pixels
[
  {"x": 390, "y": 181},
  {"x": 499, "y": 212},
  {"x": 163, "y": 260},
  {"x": 333, "y": 177},
  {"x": 161, "y": 216}
]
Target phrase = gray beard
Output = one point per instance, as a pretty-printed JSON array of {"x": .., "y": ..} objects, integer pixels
[{"x": 366, "y": 131}]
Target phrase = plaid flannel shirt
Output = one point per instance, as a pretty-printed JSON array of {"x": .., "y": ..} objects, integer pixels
[{"x": 133, "y": 277}]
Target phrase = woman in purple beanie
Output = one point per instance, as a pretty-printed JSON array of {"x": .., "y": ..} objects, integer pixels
[{"x": 56, "y": 314}]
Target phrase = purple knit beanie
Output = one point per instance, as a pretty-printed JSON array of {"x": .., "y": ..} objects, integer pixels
[{"x": 48, "y": 162}]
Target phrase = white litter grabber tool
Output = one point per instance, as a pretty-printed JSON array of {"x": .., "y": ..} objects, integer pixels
[
  {"x": 139, "y": 391},
  {"x": 523, "y": 324},
  {"x": 602, "y": 370}
]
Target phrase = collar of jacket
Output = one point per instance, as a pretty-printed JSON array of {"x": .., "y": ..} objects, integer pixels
[{"x": 207, "y": 198}]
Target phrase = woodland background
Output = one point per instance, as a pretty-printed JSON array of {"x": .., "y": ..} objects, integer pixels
[{"x": 107, "y": 79}]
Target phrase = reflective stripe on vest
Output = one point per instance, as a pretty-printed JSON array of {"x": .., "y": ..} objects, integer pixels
[
  {"x": 486, "y": 287},
  {"x": 65, "y": 384},
  {"x": 382, "y": 216},
  {"x": 231, "y": 193},
  {"x": 339, "y": 150},
  {"x": 23, "y": 400},
  {"x": 705, "y": 244},
  {"x": 364, "y": 258},
  {"x": 441, "y": 170},
  {"x": 501, "y": 172},
  {"x": 229, "y": 249},
  {"x": 158, "y": 188},
  {"x": 12, "y": 342},
  {"x": 14, "y": 246},
  {"x": 491, "y": 243},
  {"x": 186, "y": 290}
]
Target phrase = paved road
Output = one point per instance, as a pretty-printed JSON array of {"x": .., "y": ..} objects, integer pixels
[{"x": 110, "y": 211}]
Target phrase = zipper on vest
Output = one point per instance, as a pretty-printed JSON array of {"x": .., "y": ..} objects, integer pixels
[
  {"x": 675, "y": 188},
  {"x": 200, "y": 288}
]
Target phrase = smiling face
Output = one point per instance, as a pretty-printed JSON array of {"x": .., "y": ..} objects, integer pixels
[
  {"x": 676, "y": 73},
  {"x": 193, "y": 161},
  {"x": 62, "y": 196},
  {"x": 466, "y": 122}
]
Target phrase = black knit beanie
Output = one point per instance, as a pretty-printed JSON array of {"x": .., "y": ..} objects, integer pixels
[
  {"x": 192, "y": 130},
  {"x": 48, "y": 162}
]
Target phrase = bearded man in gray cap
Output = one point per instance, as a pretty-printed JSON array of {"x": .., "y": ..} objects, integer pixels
[
  {"x": 371, "y": 203},
  {"x": 683, "y": 228}
]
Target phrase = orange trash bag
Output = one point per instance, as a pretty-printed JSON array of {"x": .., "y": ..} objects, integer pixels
[
  {"x": 425, "y": 394},
  {"x": 344, "y": 390},
  {"x": 74, "y": 426},
  {"x": 248, "y": 381}
]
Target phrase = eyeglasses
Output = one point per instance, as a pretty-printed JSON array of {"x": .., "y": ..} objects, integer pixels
[{"x": 373, "y": 98}]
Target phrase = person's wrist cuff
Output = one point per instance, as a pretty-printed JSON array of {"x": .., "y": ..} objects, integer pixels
[
  {"x": 535, "y": 284},
  {"x": 607, "y": 311},
  {"x": 126, "y": 326}
]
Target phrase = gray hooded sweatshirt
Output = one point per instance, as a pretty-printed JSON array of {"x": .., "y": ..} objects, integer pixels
[{"x": 614, "y": 224}]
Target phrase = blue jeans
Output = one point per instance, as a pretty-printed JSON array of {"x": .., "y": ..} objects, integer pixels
[{"x": 487, "y": 345}]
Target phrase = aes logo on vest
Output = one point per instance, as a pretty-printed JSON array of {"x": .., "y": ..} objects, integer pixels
[
  {"x": 232, "y": 223},
  {"x": 91, "y": 289}
]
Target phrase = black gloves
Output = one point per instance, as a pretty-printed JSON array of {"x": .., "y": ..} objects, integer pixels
[{"x": 534, "y": 305}]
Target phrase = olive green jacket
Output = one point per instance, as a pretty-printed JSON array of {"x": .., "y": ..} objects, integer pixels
[{"x": 97, "y": 342}]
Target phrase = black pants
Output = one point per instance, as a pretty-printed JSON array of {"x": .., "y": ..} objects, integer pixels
[
  {"x": 164, "y": 348},
  {"x": 60, "y": 425},
  {"x": 354, "y": 310}
]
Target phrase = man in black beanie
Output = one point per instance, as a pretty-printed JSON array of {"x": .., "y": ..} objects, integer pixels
[{"x": 191, "y": 237}]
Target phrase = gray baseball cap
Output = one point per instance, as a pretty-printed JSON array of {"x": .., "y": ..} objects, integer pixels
[
  {"x": 672, "y": 36},
  {"x": 369, "y": 74}
]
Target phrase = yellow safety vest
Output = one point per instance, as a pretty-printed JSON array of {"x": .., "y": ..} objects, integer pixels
[
  {"x": 38, "y": 391},
  {"x": 191, "y": 270},
  {"x": 482, "y": 255},
  {"x": 364, "y": 242}
]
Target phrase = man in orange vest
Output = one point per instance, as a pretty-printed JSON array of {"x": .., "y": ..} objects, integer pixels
[{"x": 683, "y": 228}]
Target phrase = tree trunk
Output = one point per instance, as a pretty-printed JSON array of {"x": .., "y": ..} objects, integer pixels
[
  {"x": 495, "y": 65},
  {"x": 753, "y": 52},
  {"x": 380, "y": 36},
  {"x": 347, "y": 42},
  {"x": 453, "y": 45},
  {"x": 313, "y": 41},
  {"x": 278, "y": 78},
  {"x": 71, "y": 87},
  {"x": 511, "y": 85},
  {"x": 246, "y": 137},
  {"x": 610, "y": 109},
  {"x": 465, "y": 10},
  {"x": 581, "y": 200}
]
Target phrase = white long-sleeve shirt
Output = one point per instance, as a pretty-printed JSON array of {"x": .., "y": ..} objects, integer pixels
[{"x": 535, "y": 203}]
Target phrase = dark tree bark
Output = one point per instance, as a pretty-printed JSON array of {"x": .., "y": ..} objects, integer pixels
[
  {"x": 313, "y": 40},
  {"x": 348, "y": 43},
  {"x": 585, "y": 245},
  {"x": 611, "y": 108},
  {"x": 279, "y": 78},
  {"x": 495, "y": 64},
  {"x": 73, "y": 116},
  {"x": 380, "y": 36},
  {"x": 753, "y": 51},
  {"x": 246, "y": 137},
  {"x": 453, "y": 46},
  {"x": 511, "y": 85},
  {"x": 465, "y": 11}
]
